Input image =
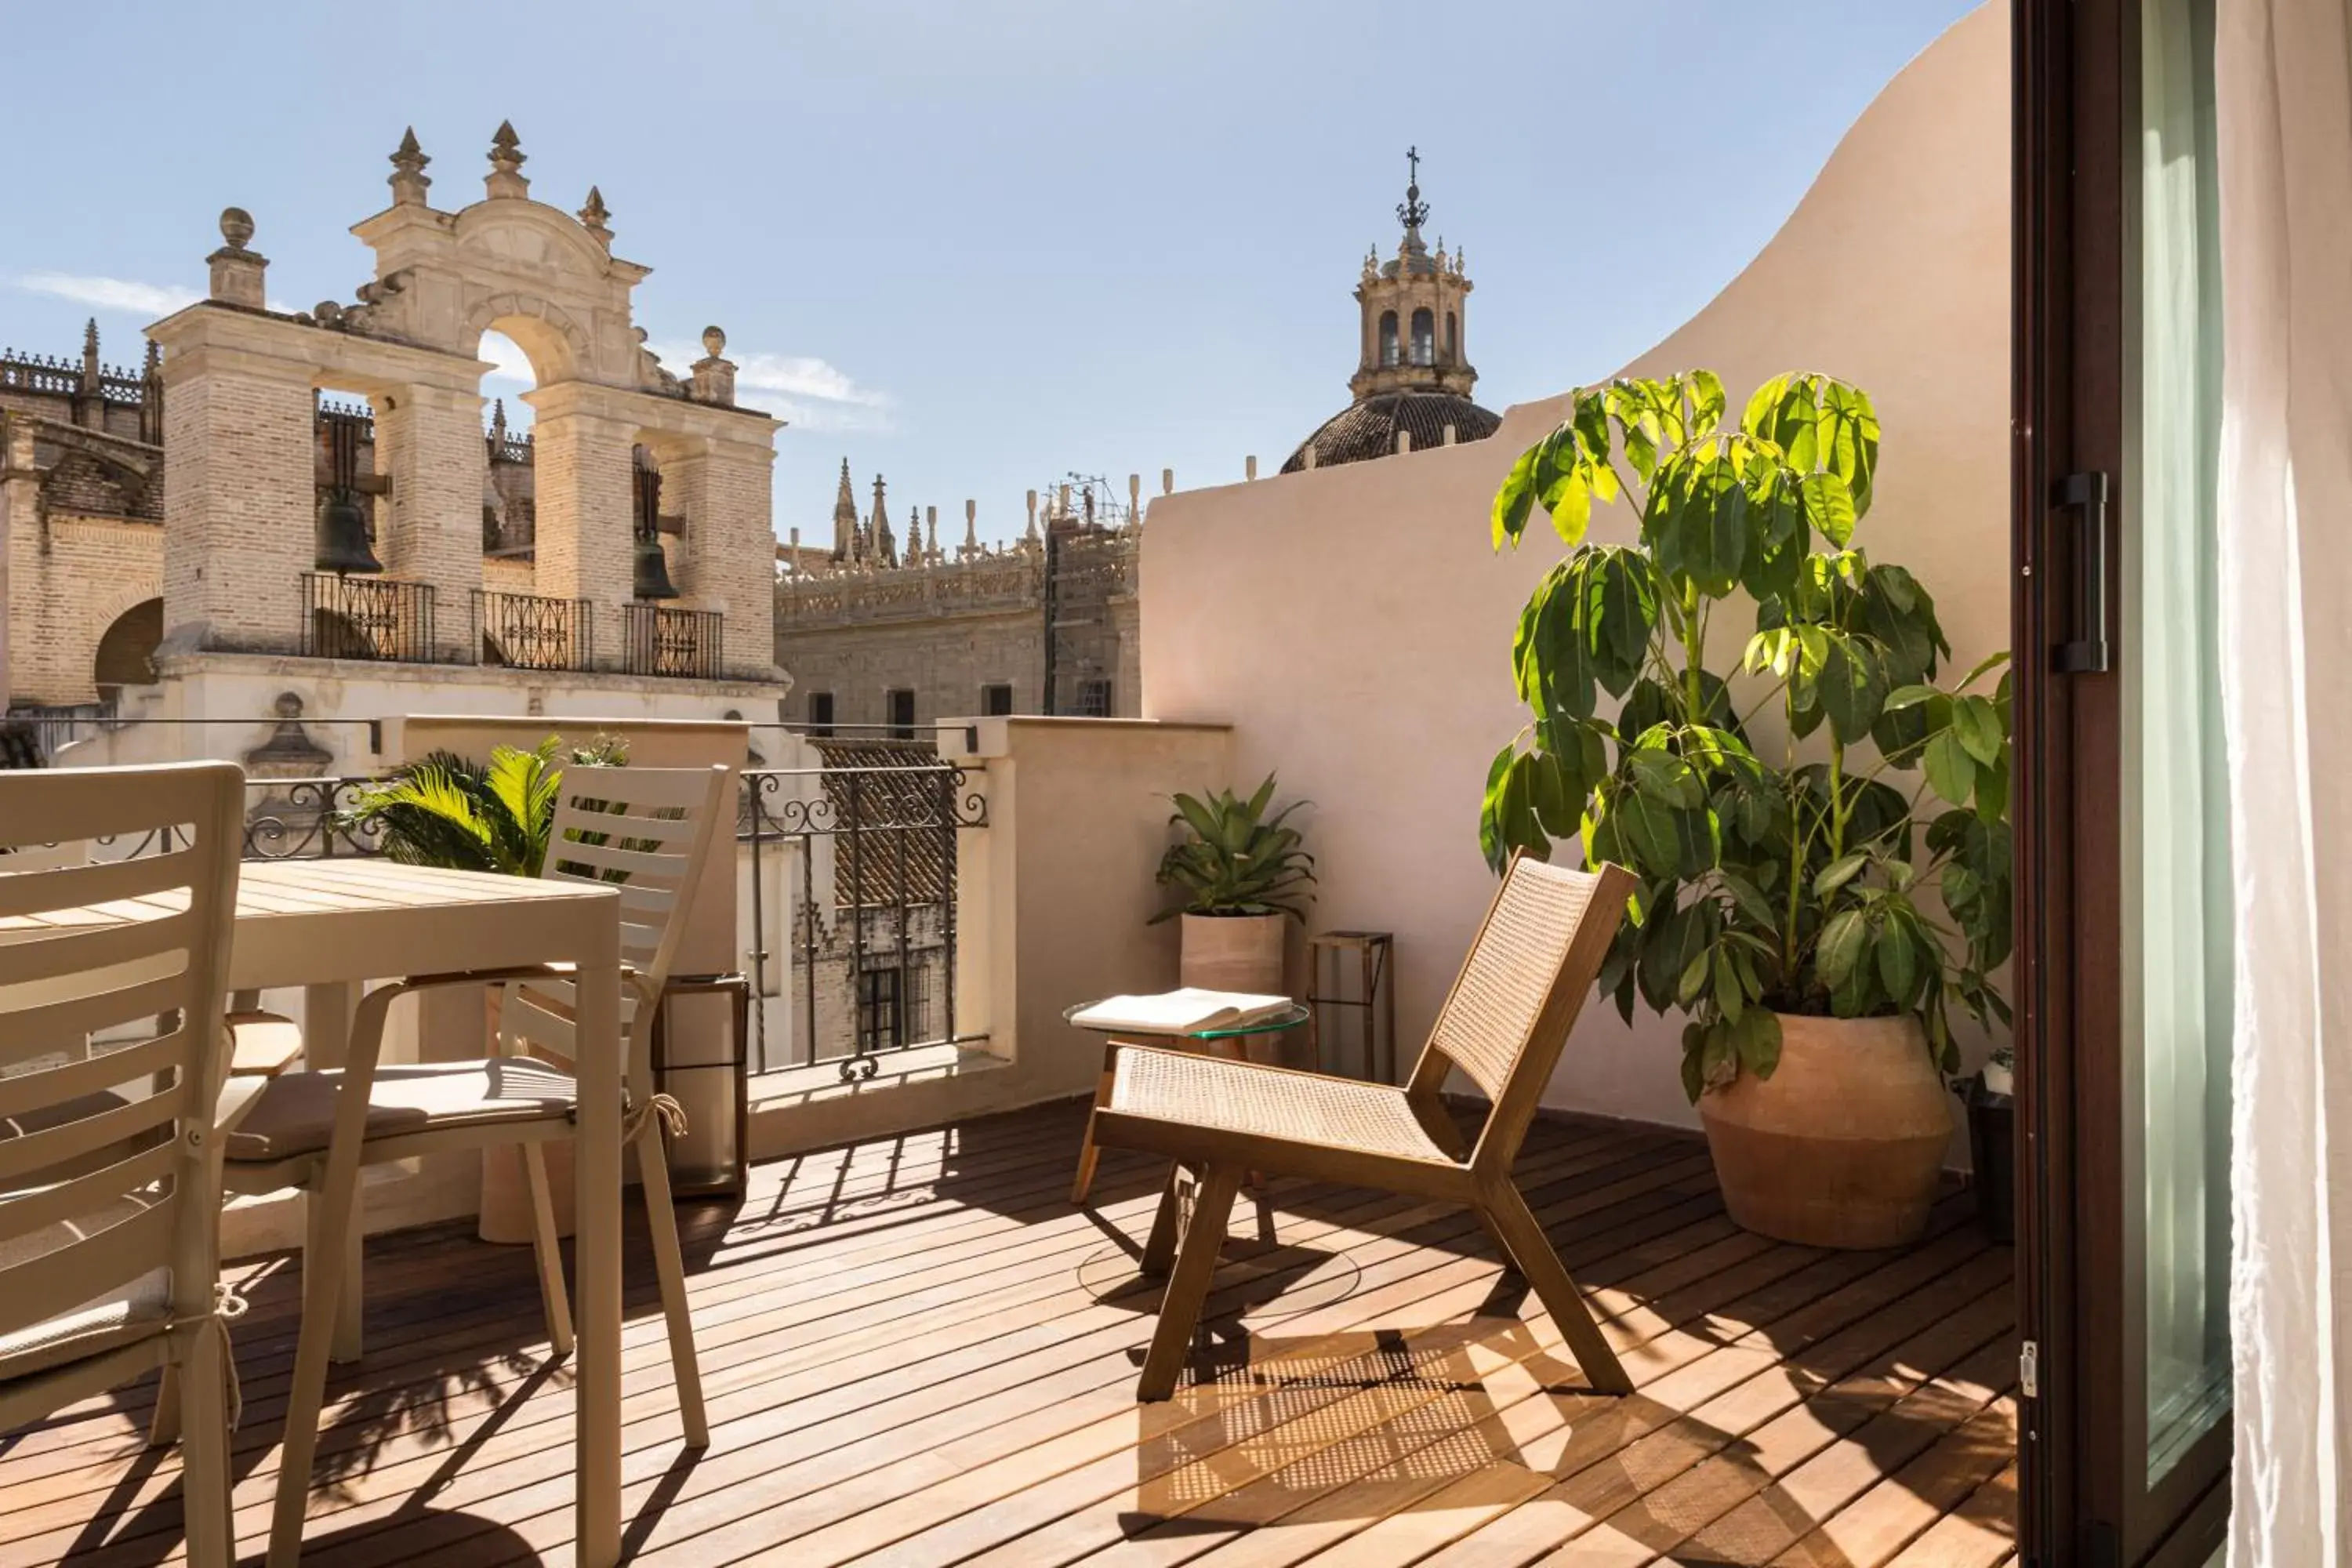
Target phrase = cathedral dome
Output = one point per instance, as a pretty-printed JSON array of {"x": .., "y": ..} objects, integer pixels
[
  {"x": 1413, "y": 374},
  {"x": 1369, "y": 429}
]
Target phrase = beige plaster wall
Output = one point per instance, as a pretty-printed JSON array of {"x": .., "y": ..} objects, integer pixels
[{"x": 1355, "y": 628}]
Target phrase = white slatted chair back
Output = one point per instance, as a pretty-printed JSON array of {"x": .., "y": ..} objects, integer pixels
[
  {"x": 110, "y": 1190},
  {"x": 649, "y": 832}
]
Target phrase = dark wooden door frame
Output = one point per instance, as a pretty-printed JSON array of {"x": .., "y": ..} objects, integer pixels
[{"x": 2081, "y": 1436}]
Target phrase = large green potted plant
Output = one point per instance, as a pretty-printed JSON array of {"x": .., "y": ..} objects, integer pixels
[
  {"x": 1818, "y": 817},
  {"x": 447, "y": 811},
  {"x": 1239, "y": 873}
]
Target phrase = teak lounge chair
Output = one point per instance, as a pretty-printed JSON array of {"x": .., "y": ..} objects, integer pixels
[{"x": 1503, "y": 1025}]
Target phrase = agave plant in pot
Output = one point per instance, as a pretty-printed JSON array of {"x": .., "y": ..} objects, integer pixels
[
  {"x": 1819, "y": 817},
  {"x": 1240, "y": 874}
]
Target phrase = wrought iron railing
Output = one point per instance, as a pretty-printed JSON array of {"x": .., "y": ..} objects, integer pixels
[
  {"x": 853, "y": 910},
  {"x": 527, "y": 631},
  {"x": 382, "y": 618},
  {"x": 659, "y": 640}
]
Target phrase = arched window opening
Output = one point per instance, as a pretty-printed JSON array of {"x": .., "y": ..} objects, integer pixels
[
  {"x": 1453, "y": 338},
  {"x": 127, "y": 649},
  {"x": 1425, "y": 337},
  {"x": 1388, "y": 337}
]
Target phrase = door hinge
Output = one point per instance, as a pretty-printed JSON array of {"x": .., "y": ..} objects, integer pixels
[{"x": 2029, "y": 1369}]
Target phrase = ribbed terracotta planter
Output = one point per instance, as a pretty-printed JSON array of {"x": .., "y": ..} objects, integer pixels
[
  {"x": 1843, "y": 1145},
  {"x": 1233, "y": 952}
]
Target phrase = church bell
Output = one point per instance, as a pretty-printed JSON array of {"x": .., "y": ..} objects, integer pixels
[
  {"x": 340, "y": 534},
  {"x": 651, "y": 576}
]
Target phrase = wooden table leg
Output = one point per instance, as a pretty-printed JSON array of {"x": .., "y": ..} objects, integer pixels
[
  {"x": 598, "y": 1264},
  {"x": 1088, "y": 1155},
  {"x": 326, "y": 1042}
]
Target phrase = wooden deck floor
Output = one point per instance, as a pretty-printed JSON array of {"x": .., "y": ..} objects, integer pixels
[{"x": 918, "y": 1352}]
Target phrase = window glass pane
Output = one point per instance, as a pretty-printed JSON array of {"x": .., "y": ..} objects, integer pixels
[{"x": 2178, "y": 932}]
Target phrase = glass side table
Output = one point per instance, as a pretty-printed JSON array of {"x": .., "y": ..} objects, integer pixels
[{"x": 1235, "y": 1042}]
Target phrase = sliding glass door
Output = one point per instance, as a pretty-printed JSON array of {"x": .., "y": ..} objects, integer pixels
[{"x": 2126, "y": 957}]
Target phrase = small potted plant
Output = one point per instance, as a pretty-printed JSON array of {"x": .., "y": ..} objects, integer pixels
[
  {"x": 1239, "y": 874},
  {"x": 1990, "y": 1094},
  {"x": 1817, "y": 813}
]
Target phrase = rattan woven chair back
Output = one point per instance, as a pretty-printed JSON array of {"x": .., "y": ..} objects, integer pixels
[
  {"x": 109, "y": 1185},
  {"x": 1508, "y": 1015}
]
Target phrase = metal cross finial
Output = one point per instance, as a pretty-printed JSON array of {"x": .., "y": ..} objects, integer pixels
[{"x": 1413, "y": 212}]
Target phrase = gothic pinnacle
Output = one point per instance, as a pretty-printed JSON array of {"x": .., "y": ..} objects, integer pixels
[
  {"x": 593, "y": 216},
  {"x": 408, "y": 180}
]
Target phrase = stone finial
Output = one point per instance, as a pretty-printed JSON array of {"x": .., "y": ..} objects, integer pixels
[
  {"x": 1030, "y": 535},
  {"x": 236, "y": 272},
  {"x": 408, "y": 180},
  {"x": 1249, "y": 467},
  {"x": 90, "y": 371},
  {"x": 1167, "y": 482},
  {"x": 970, "y": 528},
  {"x": 1134, "y": 500},
  {"x": 499, "y": 420},
  {"x": 932, "y": 525},
  {"x": 155, "y": 369},
  {"x": 506, "y": 159},
  {"x": 593, "y": 217},
  {"x": 713, "y": 380}
]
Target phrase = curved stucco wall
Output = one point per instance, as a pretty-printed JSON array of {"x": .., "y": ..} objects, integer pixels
[{"x": 1355, "y": 628}]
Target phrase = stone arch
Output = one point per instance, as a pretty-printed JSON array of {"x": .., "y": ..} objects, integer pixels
[
  {"x": 558, "y": 347},
  {"x": 126, "y": 648}
]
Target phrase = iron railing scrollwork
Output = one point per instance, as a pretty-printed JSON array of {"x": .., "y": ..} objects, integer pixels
[
  {"x": 660, "y": 640},
  {"x": 530, "y": 631},
  {"x": 862, "y": 914},
  {"x": 381, "y": 618}
]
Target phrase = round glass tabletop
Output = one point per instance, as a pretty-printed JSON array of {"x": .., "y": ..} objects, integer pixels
[{"x": 1281, "y": 1021}]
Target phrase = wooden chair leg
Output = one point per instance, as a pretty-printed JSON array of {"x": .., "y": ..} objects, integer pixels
[
  {"x": 336, "y": 1215},
  {"x": 1522, "y": 1235},
  {"x": 547, "y": 1250},
  {"x": 1167, "y": 1225},
  {"x": 208, "y": 1520},
  {"x": 669, "y": 1267},
  {"x": 1089, "y": 1154},
  {"x": 1188, "y": 1285},
  {"x": 164, "y": 1429}
]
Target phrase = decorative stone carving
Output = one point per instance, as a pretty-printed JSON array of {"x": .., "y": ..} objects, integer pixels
[
  {"x": 408, "y": 179},
  {"x": 236, "y": 272},
  {"x": 506, "y": 159},
  {"x": 593, "y": 217}
]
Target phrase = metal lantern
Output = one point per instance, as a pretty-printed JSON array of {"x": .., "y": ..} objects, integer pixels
[
  {"x": 651, "y": 572},
  {"x": 339, "y": 536}
]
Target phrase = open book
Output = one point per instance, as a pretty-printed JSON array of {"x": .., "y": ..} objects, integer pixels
[{"x": 1187, "y": 1012}]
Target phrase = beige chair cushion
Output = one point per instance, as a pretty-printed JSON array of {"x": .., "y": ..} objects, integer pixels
[
  {"x": 296, "y": 1113},
  {"x": 1287, "y": 1107},
  {"x": 122, "y": 1317}
]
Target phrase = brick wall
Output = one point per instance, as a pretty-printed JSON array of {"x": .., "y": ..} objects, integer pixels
[
  {"x": 584, "y": 502},
  {"x": 429, "y": 443},
  {"x": 238, "y": 504},
  {"x": 727, "y": 562},
  {"x": 69, "y": 577}
]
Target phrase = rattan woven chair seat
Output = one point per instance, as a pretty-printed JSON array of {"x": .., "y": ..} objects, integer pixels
[{"x": 1270, "y": 1102}]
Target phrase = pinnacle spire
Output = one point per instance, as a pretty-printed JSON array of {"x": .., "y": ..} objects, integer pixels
[
  {"x": 1413, "y": 212},
  {"x": 506, "y": 159},
  {"x": 408, "y": 180}
]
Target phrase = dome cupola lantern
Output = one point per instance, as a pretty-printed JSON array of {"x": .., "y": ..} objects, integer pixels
[{"x": 1413, "y": 376}]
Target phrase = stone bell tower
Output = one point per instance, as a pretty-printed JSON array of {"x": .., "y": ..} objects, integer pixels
[{"x": 1413, "y": 309}]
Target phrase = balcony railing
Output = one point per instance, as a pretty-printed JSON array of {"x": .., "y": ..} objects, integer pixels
[
  {"x": 527, "y": 631},
  {"x": 381, "y": 618},
  {"x": 664, "y": 641}
]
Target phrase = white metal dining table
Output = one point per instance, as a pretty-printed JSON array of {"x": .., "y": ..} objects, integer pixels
[{"x": 330, "y": 925}]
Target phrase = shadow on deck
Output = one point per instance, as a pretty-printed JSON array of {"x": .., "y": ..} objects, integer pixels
[{"x": 916, "y": 1350}]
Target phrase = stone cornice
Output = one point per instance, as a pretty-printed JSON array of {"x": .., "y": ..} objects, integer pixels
[{"x": 257, "y": 342}]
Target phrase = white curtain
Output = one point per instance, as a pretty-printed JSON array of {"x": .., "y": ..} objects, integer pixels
[{"x": 2284, "y": 109}]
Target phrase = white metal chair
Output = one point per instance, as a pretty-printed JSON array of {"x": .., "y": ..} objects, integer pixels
[
  {"x": 648, "y": 831},
  {"x": 109, "y": 1162}
]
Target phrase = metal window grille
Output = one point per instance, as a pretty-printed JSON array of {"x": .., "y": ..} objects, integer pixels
[
  {"x": 381, "y": 618},
  {"x": 529, "y": 631},
  {"x": 664, "y": 641},
  {"x": 1094, "y": 699}
]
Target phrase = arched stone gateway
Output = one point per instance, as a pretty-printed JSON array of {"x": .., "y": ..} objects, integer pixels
[{"x": 239, "y": 380}]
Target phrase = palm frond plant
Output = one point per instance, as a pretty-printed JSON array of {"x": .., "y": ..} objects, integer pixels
[
  {"x": 1865, "y": 870},
  {"x": 447, "y": 811},
  {"x": 1234, "y": 859}
]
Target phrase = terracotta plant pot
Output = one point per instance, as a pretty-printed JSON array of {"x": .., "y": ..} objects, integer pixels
[
  {"x": 1233, "y": 952},
  {"x": 1843, "y": 1145}
]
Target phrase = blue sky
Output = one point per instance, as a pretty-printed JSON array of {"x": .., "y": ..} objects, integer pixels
[{"x": 973, "y": 245}]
